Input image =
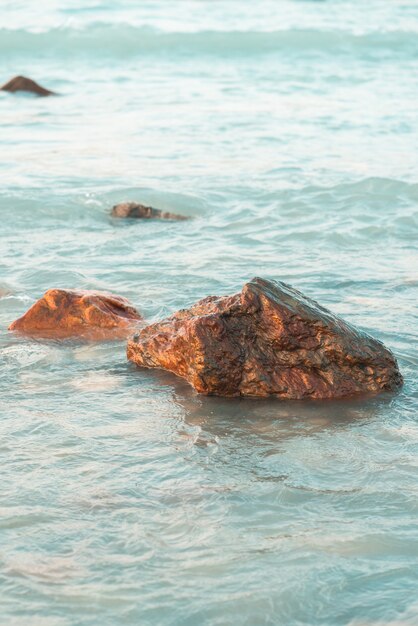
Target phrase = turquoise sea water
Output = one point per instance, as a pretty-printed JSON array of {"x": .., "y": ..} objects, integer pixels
[{"x": 289, "y": 131}]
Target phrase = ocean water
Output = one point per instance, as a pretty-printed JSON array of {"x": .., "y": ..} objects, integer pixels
[{"x": 288, "y": 131}]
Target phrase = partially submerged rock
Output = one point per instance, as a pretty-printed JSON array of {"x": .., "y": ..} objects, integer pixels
[
  {"x": 65, "y": 313},
  {"x": 21, "y": 83},
  {"x": 267, "y": 340},
  {"x": 139, "y": 211}
]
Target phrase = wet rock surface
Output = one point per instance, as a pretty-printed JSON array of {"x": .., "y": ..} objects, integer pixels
[
  {"x": 21, "y": 83},
  {"x": 139, "y": 211},
  {"x": 67, "y": 313},
  {"x": 269, "y": 339}
]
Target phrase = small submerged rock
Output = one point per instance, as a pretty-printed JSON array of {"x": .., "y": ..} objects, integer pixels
[
  {"x": 269, "y": 339},
  {"x": 139, "y": 211},
  {"x": 66, "y": 313},
  {"x": 21, "y": 83},
  {"x": 5, "y": 291}
]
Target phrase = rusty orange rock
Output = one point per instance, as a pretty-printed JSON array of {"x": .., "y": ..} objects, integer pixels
[
  {"x": 140, "y": 211},
  {"x": 65, "y": 313},
  {"x": 21, "y": 83},
  {"x": 269, "y": 339}
]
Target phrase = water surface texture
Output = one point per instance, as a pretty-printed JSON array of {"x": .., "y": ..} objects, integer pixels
[{"x": 288, "y": 131}]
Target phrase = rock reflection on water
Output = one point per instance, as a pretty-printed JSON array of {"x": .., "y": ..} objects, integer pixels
[{"x": 316, "y": 446}]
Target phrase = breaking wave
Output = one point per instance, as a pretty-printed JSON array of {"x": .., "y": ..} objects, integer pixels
[{"x": 127, "y": 40}]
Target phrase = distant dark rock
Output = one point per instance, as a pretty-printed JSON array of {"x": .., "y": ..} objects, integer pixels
[
  {"x": 269, "y": 339},
  {"x": 92, "y": 315},
  {"x": 139, "y": 211},
  {"x": 21, "y": 83}
]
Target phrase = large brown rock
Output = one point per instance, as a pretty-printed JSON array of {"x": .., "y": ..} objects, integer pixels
[
  {"x": 267, "y": 340},
  {"x": 139, "y": 211},
  {"x": 92, "y": 315},
  {"x": 21, "y": 83}
]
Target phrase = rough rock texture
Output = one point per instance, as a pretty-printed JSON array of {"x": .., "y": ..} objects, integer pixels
[
  {"x": 21, "y": 83},
  {"x": 64, "y": 313},
  {"x": 268, "y": 339},
  {"x": 135, "y": 210}
]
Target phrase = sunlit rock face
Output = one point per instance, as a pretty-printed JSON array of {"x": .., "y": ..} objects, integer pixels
[
  {"x": 139, "y": 211},
  {"x": 67, "y": 313},
  {"x": 21, "y": 83},
  {"x": 269, "y": 339}
]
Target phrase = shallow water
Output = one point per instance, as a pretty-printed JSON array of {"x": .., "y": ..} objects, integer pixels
[{"x": 287, "y": 130}]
